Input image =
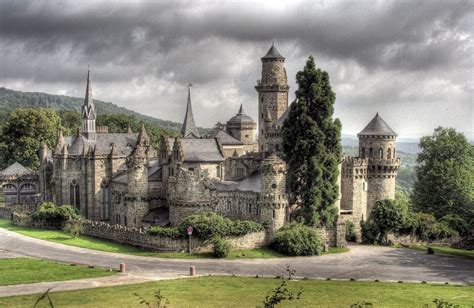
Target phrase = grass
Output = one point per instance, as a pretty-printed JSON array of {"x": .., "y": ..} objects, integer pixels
[
  {"x": 27, "y": 270},
  {"x": 218, "y": 291},
  {"x": 447, "y": 251},
  {"x": 85, "y": 241}
]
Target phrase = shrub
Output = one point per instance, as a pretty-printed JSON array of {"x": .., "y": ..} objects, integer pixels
[
  {"x": 166, "y": 232},
  {"x": 350, "y": 231},
  {"x": 430, "y": 251},
  {"x": 50, "y": 213},
  {"x": 73, "y": 227},
  {"x": 369, "y": 232},
  {"x": 456, "y": 223},
  {"x": 427, "y": 227},
  {"x": 297, "y": 240},
  {"x": 220, "y": 247},
  {"x": 209, "y": 224}
]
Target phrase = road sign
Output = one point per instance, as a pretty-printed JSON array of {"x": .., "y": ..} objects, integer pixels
[{"x": 189, "y": 230}]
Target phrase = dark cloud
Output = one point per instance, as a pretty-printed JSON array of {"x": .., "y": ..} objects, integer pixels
[{"x": 153, "y": 48}]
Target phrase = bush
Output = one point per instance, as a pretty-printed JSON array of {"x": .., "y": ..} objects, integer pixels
[
  {"x": 369, "y": 232},
  {"x": 166, "y": 232},
  {"x": 297, "y": 240},
  {"x": 50, "y": 213},
  {"x": 220, "y": 247},
  {"x": 426, "y": 227},
  {"x": 350, "y": 231},
  {"x": 456, "y": 223},
  {"x": 430, "y": 251},
  {"x": 209, "y": 224},
  {"x": 73, "y": 227}
]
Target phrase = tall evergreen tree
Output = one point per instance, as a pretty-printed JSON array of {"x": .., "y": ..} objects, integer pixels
[
  {"x": 445, "y": 175},
  {"x": 312, "y": 148}
]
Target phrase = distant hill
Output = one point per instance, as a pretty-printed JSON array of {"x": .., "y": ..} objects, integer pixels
[{"x": 11, "y": 100}]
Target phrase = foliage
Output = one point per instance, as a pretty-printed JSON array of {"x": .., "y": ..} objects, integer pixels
[
  {"x": 362, "y": 304},
  {"x": 23, "y": 134},
  {"x": 311, "y": 144},
  {"x": 445, "y": 175},
  {"x": 441, "y": 303},
  {"x": 161, "y": 300},
  {"x": 457, "y": 223},
  {"x": 297, "y": 240},
  {"x": 430, "y": 251},
  {"x": 426, "y": 227},
  {"x": 209, "y": 224},
  {"x": 220, "y": 247},
  {"x": 282, "y": 292},
  {"x": 171, "y": 232},
  {"x": 350, "y": 231},
  {"x": 74, "y": 227},
  {"x": 70, "y": 121},
  {"x": 49, "y": 212}
]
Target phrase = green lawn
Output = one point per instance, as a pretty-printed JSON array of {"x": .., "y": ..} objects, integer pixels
[
  {"x": 84, "y": 241},
  {"x": 250, "y": 292},
  {"x": 26, "y": 270}
]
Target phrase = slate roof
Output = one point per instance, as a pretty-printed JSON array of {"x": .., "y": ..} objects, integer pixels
[
  {"x": 273, "y": 54},
  {"x": 377, "y": 127},
  {"x": 189, "y": 129},
  {"x": 223, "y": 136},
  {"x": 201, "y": 150},
  {"x": 250, "y": 183},
  {"x": 123, "y": 143},
  {"x": 241, "y": 117},
  {"x": 16, "y": 169}
]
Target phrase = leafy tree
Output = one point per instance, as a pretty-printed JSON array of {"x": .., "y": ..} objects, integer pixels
[
  {"x": 70, "y": 120},
  {"x": 297, "y": 240},
  {"x": 445, "y": 175},
  {"x": 311, "y": 144},
  {"x": 23, "y": 134}
]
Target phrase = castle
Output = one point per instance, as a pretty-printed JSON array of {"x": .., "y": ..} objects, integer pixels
[{"x": 233, "y": 169}]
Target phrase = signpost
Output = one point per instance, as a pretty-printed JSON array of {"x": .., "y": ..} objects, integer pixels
[{"x": 190, "y": 232}]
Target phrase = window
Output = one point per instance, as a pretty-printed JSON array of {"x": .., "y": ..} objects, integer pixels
[
  {"x": 380, "y": 153},
  {"x": 273, "y": 214},
  {"x": 191, "y": 169},
  {"x": 240, "y": 172},
  {"x": 364, "y": 185},
  {"x": 9, "y": 188},
  {"x": 175, "y": 153},
  {"x": 362, "y": 153},
  {"x": 105, "y": 203},
  {"x": 371, "y": 153},
  {"x": 389, "y": 153},
  {"x": 218, "y": 171},
  {"x": 74, "y": 194}
]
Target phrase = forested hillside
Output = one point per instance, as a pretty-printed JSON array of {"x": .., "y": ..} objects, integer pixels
[{"x": 10, "y": 100}]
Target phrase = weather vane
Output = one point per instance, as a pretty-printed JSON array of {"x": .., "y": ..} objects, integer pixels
[{"x": 190, "y": 84}]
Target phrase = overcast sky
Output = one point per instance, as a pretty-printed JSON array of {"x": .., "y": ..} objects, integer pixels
[{"x": 412, "y": 61}]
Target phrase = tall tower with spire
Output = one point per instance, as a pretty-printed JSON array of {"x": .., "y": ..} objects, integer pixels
[
  {"x": 189, "y": 129},
  {"x": 88, "y": 112},
  {"x": 272, "y": 97}
]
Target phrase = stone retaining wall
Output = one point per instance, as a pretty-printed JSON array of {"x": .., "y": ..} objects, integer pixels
[
  {"x": 139, "y": 238},
  {"x": 334, "y": 236},
  {"x": 410, "y": 239}
]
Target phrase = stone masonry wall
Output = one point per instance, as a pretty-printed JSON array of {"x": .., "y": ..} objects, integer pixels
[{"x": 409, "y": 240}]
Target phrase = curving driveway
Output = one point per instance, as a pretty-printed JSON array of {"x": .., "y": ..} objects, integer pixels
[{"x": 362, "y": 262}]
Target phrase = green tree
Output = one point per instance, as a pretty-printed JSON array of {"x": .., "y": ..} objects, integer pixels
[
  {"x": 445, "y": 175},
  {"x": 311, "y": 144},
  {"x": 70, "y": 120},
  {"x": 23, "y": 134},
  {"x": 388, "y": 216}
]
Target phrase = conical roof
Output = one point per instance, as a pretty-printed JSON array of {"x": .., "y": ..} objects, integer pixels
[
  {"x": 377, "y": 127},
  {"x": 273, "y": 54},
  {"x": 241, "y": 117},
  {"x": 189, "y": 129}
]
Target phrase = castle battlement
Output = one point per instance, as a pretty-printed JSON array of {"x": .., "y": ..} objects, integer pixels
[{"x": 350, "y": 161}]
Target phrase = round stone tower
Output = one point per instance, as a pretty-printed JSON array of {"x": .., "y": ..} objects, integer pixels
[
  {"x": 272, "y": 96},
  {"x": 273, "y": 198},
  {"x": 377, "y": 144},
  {"x": 242, "y": 127}
]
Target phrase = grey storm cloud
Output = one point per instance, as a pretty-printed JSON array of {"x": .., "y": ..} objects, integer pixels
[{"x": 154, "y": 48}]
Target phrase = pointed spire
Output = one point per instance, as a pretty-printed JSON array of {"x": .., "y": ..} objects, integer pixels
[
  {"x": 59, "y": 142},
  {"x": 88, "y": 109},
  {"x": 129, "y": 129},
  {"x": 241, "y": 109},
  {"x": 273, "y": 53},
  {"x": 189, "y": 129},
  {"x": 143, "y": 138}
]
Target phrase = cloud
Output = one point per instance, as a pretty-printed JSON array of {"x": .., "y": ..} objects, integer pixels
[{"x": 392, "y": 57}]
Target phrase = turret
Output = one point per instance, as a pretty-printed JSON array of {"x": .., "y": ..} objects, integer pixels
[
  {"x": 242, "y": 127},
  {"x": 273, "y": 201},
  {"x": 272, "y": 96},
  {"x": 88, "y": 113},
  {"x": 377, "y": 144}
]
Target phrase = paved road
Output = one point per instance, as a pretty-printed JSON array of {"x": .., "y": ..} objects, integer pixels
[{"x": 362, "y": 262}]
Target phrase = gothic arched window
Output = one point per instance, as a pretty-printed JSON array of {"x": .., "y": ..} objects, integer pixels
[
  {"x": 380, "y": 153},
  {"x": 74, "y": 194},
  {"x": 105, "y": 210},
  {"x": 371, "y": 153},
  {"x": 389, "y": 153}
]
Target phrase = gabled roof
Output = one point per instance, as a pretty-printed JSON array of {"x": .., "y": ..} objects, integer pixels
[
  {"x": 273, "y": 54},
  {"x": 223, "y": 136},
  {"x": 377, "y": 127},
  {"x": 201, "y": 150},
  {"x": 123, "y": 144},
  {"x": 189, "y": 129},
  {"x": 16, "y": 169}
]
